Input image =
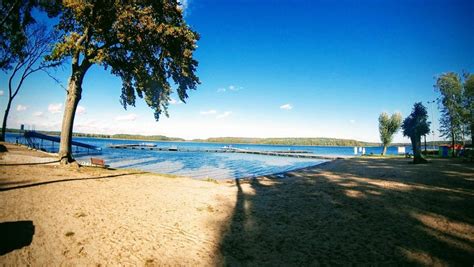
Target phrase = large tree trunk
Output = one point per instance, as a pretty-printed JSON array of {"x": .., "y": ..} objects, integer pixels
[
  {"x": 384, "y": 151},
  {"x": 472, "y": 133},
  {"x": 74, "y": 92},
  {"x": 452, "y": 143},
  {"x": 5, "y": 117},
  {"x": 416, "y": 146}
]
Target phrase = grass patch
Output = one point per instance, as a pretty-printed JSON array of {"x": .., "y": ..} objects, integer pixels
[{"x": 211, "y": 180}]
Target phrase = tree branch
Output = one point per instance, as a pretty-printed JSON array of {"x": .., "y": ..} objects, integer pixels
[
  {"x": 54, "y": 79},
  {"x": 9, "y": 13}
]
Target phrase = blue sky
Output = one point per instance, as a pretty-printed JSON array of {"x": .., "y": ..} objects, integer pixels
[{"x": 283, "y": 69}]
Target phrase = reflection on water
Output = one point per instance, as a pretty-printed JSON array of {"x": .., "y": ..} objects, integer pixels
[{"x": 202, "y": 165}]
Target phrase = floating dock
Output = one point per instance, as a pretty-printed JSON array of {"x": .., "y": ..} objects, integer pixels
[{"x": 288, "y": 153}]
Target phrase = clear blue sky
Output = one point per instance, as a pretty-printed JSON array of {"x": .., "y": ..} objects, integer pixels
[{"x": 284, "y": 69}]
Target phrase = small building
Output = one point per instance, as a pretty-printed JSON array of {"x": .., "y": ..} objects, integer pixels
[{"x": 401, "y": 150}]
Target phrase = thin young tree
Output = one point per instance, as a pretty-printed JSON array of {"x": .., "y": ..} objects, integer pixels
[
  {"x": 146, "y": 43},
  {"x": 39, "y": 44},
  {"x": 388, "y": 126},
  {"x": 414, "y": 126},
  {"x": 450, "y": 87}
]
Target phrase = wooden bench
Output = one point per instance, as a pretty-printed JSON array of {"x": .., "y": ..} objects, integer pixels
[{"x": 98, "y": 162}]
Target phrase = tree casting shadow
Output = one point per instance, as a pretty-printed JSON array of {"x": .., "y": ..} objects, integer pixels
[
  {"x": 28, "y": 184},
  {"x": 32, "y": 163},
  {"x": 3, "y": 148},
  {"x": 15, "y": 235},
  {"x": 334, "y": 216}
]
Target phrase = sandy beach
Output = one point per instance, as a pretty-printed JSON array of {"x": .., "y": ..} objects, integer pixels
[{"x": 362, "y": 210}]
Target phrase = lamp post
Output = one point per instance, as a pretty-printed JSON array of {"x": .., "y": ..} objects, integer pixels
[{"x": 432, "y": 116}]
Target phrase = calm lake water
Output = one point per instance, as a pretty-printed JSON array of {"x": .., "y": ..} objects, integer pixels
[{"x": 202, "y": 165}]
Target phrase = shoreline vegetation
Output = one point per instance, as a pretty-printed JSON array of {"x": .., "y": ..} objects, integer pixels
[
  {"x": 364, "y": 210},
  {"x": 320, "y": 141}
]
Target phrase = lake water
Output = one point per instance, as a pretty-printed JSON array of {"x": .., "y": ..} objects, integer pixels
[{"x": 202, "y": 165}]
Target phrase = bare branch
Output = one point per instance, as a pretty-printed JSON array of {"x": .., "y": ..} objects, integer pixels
[
  {"x": 38, "y": 46},
  {"x": 54, "y": 79}
]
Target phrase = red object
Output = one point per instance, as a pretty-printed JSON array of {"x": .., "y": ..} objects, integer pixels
[
  {"x": 456, "y": 147},
  {"x": 97, "y": 161}
]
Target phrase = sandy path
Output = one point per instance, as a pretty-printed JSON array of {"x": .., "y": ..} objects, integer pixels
[{"x": 121, "y": 218}]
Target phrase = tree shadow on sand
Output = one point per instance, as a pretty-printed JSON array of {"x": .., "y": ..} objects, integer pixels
[
  {"x": 3, "y": 148},
  {"x": 30, "y": 163},
  {"x": 15, "y": 235},
  {"x": 357, "y": 211},
  {"x": 7, "y": 185}
]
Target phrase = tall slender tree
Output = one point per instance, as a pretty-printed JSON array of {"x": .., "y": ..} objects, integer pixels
[
  {"x": 388, "y": 126},
  {"x": 146, "y": 43},
  {"x": 468, "y": 103},
  {"x": 39, "y": 44},
  {"x": 414, "y": 126},
  {"x": 450, "y": 87}
]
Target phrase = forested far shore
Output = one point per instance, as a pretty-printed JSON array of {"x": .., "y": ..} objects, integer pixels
[
  {"x": 110, "y": 136},
  {"x": 288, "y": 141},
  {"x": 321, "y": 141},
  {"x": 433, "y": 143},
  {"x": 316, "y": 141}
]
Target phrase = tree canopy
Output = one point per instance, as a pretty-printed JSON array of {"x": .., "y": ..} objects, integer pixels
[
  {"x": 414, "y": 126},
  {"x": 468, "y": 103},
  {"x": 456, "y": 105},
  {"x": 388, "y": 126},
  {"x": 146, "y": 43},
  {"x": 450, "y": 87}
]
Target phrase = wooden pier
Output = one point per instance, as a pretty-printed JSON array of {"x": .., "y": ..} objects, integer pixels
[{"x": 289, "y": 153}]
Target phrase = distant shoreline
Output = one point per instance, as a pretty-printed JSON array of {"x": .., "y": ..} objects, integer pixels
[
  {"x": 205, "y": 141},
  {"x": 319, "y": 141}
]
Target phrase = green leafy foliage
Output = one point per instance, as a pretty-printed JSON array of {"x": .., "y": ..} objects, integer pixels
[
  {"x": 450, "y": 87},
  {"x": 146, "y": 43},
  {"x": 388, "y": 126},
  {"x": 414, "y": 126},
  {"x": 468, "y": 103}
]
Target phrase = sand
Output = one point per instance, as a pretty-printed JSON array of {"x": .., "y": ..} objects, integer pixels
[{"x": 361, "y": 210}]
